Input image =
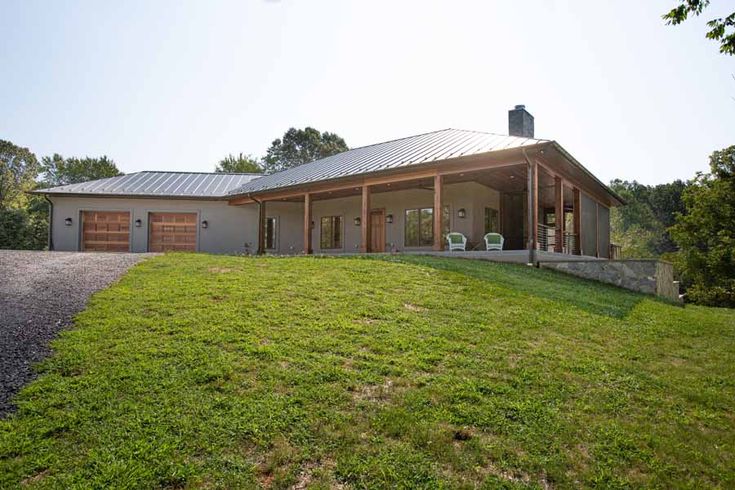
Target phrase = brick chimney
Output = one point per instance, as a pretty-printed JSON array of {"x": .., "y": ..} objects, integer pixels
[{"x": 520, "y": 122}]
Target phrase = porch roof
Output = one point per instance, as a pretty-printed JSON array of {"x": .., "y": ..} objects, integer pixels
[{"x": 414, "y": 150}]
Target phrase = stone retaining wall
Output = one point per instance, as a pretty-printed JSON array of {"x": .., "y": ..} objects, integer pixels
[{"x": 645, "y": 276}]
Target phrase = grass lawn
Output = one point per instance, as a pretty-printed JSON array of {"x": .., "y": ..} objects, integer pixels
[{"x": 200, "y": 371}]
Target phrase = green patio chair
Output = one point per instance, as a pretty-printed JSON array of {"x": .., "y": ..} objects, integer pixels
[
  {"x": 494, "y": 241},
  {"x": 457, "y": 241}
]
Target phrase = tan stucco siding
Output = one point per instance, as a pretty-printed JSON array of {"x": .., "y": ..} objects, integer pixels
[
  {"x": 470, "y": 196},
  {"x": 231, "y": 229}
]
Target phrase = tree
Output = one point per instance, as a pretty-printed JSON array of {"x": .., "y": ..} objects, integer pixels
[
  {"x": 705, "y": 233},
  {"x": 62, "y": 171},
  {"x": 19, "y": 169},
  {"x": 245, "y": 164},
  {"x": 722, "y": 29},
  {"x": 300, "y": 146},
  {"x": 640, "y": 227}
]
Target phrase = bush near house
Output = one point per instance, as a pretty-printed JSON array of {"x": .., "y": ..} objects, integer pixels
[{"x": 225, "y": 372}]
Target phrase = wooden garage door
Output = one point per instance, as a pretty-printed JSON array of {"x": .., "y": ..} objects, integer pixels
[
  {"x": 172, "y": 231},
  {"x": 106, "y": 231}
]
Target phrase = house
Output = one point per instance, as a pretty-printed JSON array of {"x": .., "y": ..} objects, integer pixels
[{"x": 386, "y": 197}]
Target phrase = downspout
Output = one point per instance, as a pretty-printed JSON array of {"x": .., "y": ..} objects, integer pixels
[
  {"x": 529, "y": 186},
  {"x": 258, "y": 251},
  {"x": 50, "y": 222}
]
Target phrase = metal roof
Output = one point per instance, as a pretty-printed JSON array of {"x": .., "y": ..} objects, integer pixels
[
  {"x": 158, "y": 184},
  {"x": 413, "y": 150}
]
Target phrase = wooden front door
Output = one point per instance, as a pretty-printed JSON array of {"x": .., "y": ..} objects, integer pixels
[
  {"x": 106, "y": 231},
  {"x": 172, "y": 231},
  {"x": 377, "y": 230}
]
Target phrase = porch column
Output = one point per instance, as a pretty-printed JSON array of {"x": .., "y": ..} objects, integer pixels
[
  {"x": 307, "y": 224},
  {"x": 438, "y": 242},
  {"x": 577, "y": 213},
  {"x": 365, "y": 220},
  {"x": 532, "y": 190},
  {"x": 559, "y": 214},
  {"x": 261, "y": 228}
]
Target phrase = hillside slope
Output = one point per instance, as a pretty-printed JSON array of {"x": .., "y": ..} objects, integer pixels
[{"x": 206, "y": 371}]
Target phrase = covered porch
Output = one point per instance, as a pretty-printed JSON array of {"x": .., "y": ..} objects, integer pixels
[{"x": 509, "y": 193}]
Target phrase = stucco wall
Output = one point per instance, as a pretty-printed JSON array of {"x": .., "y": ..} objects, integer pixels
[
  {"x": 603, "y": 231},
  {"x": 229, "y": 229},
  {"x": 589, "y": 226},
  {"x": 471, "y": 197}
]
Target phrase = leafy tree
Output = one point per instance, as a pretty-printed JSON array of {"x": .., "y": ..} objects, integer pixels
[
  {"x": 19, "y": 169},
  {"x": 239, "y": 164},
  {"x": 299, "y": 146},
  {"x": 706, "y": 233},
  {"x": 641, "y": 226},
  {"x": 62, "y": 171},
  {"x": 722, "y": 29}
]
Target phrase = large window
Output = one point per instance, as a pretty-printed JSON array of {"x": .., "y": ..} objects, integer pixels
[
  {"x": 330, "y": 235},
  {"x": 492, "y": 224},
  {"x": 419, "y": 226},
  {"x": 271, "y": 230}
]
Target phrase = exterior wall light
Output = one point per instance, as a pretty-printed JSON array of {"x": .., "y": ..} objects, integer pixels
[
  {"x": 389, "y": 219},
  {"x": 138, "y": 223},
  {"x": 67, "y": 221},
  {"x": 357, "y": 221},
  {"x": 205, "y": 224},
  {"x": 462, "y": 213}
]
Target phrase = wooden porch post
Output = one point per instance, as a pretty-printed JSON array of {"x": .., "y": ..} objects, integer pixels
[
  {"x": 307, "y": 224},
  {"x": 365, "y": 220},
  {"x": 261, "y": 228},
  {"x": 559, "y": 215},
  {"x": 577, "y": 213},
  {"x": 438, "y": 242},
  {"x": 532, "y": 190}
]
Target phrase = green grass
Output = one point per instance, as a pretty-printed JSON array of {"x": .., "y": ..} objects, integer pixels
[{"x": 200, "y": 371}]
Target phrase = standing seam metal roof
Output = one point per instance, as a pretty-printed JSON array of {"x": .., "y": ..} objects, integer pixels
[
  {"x": 159, "y": 184},
  {"x": 413, "y": 150}
]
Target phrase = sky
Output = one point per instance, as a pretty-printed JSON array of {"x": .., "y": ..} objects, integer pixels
[{"x": 178, "y": 85}]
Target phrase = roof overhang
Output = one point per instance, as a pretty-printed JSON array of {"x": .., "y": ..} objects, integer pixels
[{"x": 548, "y": 153}]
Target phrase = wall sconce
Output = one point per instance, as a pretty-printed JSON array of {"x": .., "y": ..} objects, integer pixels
[
  {"x": 357, "y": 221},
  {"x": 205, "y": 224},
  {"x": 462, "y": 213},
  {"x": 389, "y": 219},
  {"x": 138, "y": 223},
  {"x": 67, "y": 221},
  {"x": 313, "y": 224}
]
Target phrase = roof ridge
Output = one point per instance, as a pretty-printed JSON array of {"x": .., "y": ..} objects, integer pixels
[
  {"x": 198, "y": 173},
  {"x": 390, "y": 141}
]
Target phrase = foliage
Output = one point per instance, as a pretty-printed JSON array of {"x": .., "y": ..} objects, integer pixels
[
  {"x": 706, "y": 233},
  {"x": 300, "y": 146},
  {"x": 721, "y": 29},
  {"x": 244, "y": 164},
  {"x": 18, "y": 171},
  {"x": 402, "y": 372},
  {"x": 640, "y": 226},
  {"x": 62, "y": 171}
]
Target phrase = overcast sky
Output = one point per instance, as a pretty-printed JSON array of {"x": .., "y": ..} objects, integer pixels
[{"x": 159, "y": 85}]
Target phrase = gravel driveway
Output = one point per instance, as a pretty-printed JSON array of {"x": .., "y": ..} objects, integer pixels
[{"x": 40, "y": 292}]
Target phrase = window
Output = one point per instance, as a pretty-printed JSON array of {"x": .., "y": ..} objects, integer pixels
[
  {"x": 419, "y": 225},
  {"x": 271, "y": 231},
  {"x": 492, "y": 224},
  {"x": 331, "y": 232}
]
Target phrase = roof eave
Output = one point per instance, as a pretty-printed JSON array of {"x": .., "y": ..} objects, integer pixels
[{"x": 555, "y": 144}]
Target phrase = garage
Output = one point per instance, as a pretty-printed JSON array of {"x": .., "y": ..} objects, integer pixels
[
  {"x": 106, "y": 231},
  {"x": 172, "y": 231}
]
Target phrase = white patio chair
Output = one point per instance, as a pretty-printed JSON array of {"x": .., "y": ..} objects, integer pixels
[
  {"x": 457, "y": 241},
  {"x": 494, "y": 241}
]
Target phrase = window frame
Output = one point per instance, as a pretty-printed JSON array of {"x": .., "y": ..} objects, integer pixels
[
  {"x": 340, "y": 227},
  {"x": 274, "y": 241}
]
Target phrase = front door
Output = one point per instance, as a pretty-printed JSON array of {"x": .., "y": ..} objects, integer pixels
[{"x": 377, "y": 230}]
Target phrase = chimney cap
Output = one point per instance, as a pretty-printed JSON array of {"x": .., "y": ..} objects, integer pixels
[{"x": 520, "y": 106}]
